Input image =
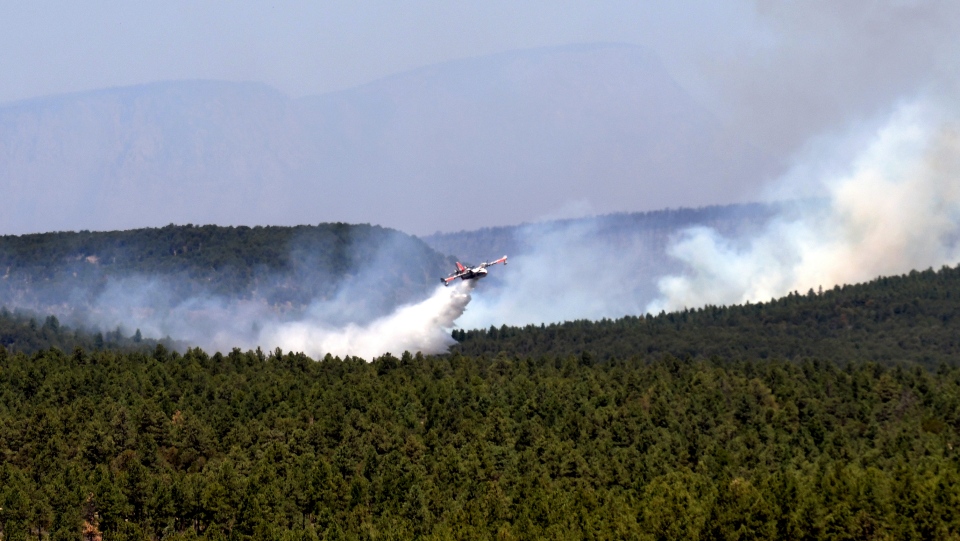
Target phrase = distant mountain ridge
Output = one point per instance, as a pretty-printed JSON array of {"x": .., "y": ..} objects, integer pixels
[{"x": 490, "y": 140}]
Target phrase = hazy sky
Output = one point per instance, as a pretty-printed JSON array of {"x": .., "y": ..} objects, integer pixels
[
  {"x": 789, "y": 78},
  {"x": 780, "y": 70},
  {"x": 310, "y": 47}
]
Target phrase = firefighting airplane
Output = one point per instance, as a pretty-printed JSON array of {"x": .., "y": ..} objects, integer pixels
[{"x": 471, "y": 273}]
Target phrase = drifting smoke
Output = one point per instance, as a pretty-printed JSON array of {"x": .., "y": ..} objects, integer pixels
[
  {"x": 886, "y": 202},
  {"x": 424, "y": 326},
  {"x": 896, "y": 209},
  {"x": 573, "y": 270},
  {"x": 220, "y": 323},
  {"x": 364, "y": 297},
  {"x": 588, "y": 268},
  {"x": 894, "y": 206}
]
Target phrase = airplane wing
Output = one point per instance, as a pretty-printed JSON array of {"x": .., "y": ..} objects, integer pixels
[
  {"x": 501, "y": 260},
  {"x": 452, "y": 277}
]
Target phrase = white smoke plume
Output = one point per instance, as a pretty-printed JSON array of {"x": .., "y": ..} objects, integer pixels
[
  {"x": 220, "y": 323},
  {"x": 424, "y": 327},
  {"x": 892, "y": 207},
  {"x": 373, "y": 303},
  {"x": 573, "y": 270},
  {"x": 897, "y": 208}
]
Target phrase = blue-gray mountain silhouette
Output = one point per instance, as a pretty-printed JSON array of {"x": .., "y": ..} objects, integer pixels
[{"x": 471, "y": 143}]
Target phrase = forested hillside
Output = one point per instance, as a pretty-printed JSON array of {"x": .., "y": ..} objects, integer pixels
[
  {"x": 911, "y": 318},
  {"x": 246, "y": 446},
  {"x": 283, "y": 267}
]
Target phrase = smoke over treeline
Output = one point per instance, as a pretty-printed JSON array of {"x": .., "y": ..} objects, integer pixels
[
  {"x": 887, "y": 200},
  {"x": 586, "y": 268},
  {"x": 894, "y": 208},
  {"x": 318, "y": 289}
]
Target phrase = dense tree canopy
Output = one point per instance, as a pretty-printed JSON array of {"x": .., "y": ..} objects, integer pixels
[
  {"x": 278, "y": 446},
  {"x": 903, "y": 319}
]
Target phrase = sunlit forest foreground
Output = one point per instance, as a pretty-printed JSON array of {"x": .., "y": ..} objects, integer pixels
[
  {"x": 829, "y": 415},
  {"x": 243, "y": 446}
]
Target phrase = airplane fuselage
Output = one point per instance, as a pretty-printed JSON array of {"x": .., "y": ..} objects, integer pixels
[{"x": 471, "y": 273}]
